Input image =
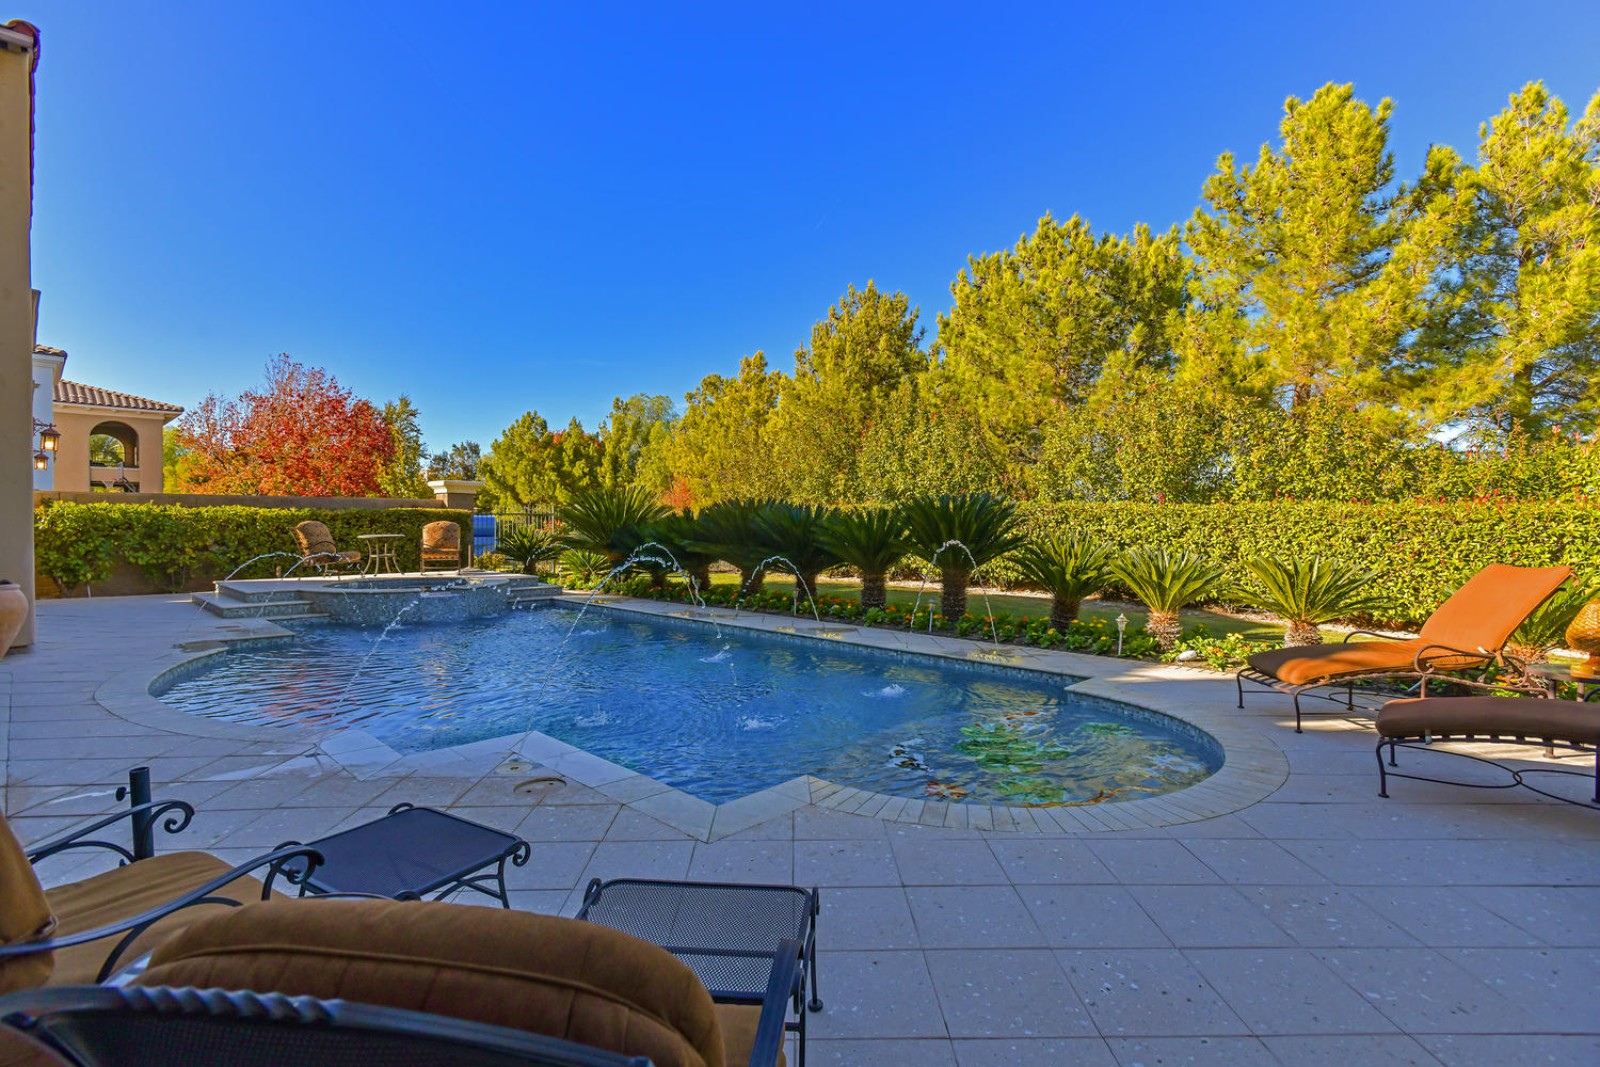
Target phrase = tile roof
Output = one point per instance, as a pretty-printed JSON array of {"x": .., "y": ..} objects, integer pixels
[
  {"x": 46, "y": 350},
  {"x": 93, "y": 396}
]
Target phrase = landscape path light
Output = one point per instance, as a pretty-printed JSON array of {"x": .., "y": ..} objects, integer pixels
[{"x": 1122, "y": 626}]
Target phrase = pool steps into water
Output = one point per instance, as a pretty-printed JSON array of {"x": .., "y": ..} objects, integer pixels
[{"x": 280, "y": 599}]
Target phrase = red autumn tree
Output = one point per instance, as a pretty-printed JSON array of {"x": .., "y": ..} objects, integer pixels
[{"x": 301, "y": 435}]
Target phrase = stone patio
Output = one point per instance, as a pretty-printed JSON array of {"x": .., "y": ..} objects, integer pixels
[{"x": 1289, "y": 917}]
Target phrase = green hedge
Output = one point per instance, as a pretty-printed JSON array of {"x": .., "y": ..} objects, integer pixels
[
  {"x": 173, "y": 545},
  {"x": 1421, "y": 551}
]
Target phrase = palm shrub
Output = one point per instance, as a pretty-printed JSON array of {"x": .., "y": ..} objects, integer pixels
[
  {"x": 796, "y": 532},
  {"x": 1069, "y": 568},
  {"x": 609, "y": 521},
  {"x": 583, "y": 568},
  {"x": 871, "y": 541},
  {"x": 1306, "y": 592},
  {"x": 1546, "y": 627},
  {"x": 941, "y": 525},
  {"x": 678, "y": 533},
  {"x": 1166, "y": 581},
  {"x": 727, "y": 531},
  {"x": 528, "y": 547}
]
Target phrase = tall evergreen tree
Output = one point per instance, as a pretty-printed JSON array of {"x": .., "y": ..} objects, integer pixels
[
  {"x": 634, "y": 441},
  {"x": 720, "y": 447},
  {"x": 531, "y": 464},
  {"x": 403, "y": 476},
  {"x": 1515, "y": 335},
  {"x": 1299, "y": 287}
]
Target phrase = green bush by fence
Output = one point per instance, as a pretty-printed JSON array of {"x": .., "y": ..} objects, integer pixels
[
  {"x": 174, "y": 545},
  {"x": 1421, "y": 551}
]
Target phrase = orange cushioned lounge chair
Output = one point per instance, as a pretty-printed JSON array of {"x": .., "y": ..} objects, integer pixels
[
  {"x": 1467, "y": 632},
  {"x": 574, "y": 981}
]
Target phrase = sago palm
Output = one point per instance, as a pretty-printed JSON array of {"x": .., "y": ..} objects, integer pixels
[
  {"x": 1546, "y": 627},
  {"x": 872, "y": 541},
  {"x": 609, "y": 521},
  {"x": 727, "y": 531},
  {"x": 529, "y": 547},
  {"x": 1164, "y": 582},
  {"x": 1308, "y": 592},
  {"x": 677, "y": 534},
  {"x": 959, "y": 534},
  {"x": 795, "y": 533},
  {"x": 1069, "y": 568}
]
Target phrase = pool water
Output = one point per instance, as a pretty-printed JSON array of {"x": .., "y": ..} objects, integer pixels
[{"x": 717, "y": 715}]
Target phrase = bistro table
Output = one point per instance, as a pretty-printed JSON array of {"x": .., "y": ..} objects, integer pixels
[
  {"x": 412, "y": 852},
  {"x": 381, "y": 553}
]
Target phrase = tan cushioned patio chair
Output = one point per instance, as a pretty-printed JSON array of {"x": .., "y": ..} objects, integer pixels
[
  {"x": 441, "y": 546},
  {"x": 31, "y": 914},
  {"x": 316, "y": 543},
  {"x": 573, "y": 980},
  {"x": 1496, "y": 720},
  {"x": 1467, "y": 631}
]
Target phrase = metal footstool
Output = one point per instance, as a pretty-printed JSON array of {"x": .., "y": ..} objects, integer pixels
[{"x": 726, "y": 932}]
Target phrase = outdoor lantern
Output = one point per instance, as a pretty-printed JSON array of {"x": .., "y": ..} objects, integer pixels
[
  {"x": 1122, "y": 626},
  {"x": 41, "y": 461},
  {"x": 49, "y": 438}
]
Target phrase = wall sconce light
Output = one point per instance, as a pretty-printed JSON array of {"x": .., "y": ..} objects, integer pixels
[
  {"x": 41, "y": 461},
  {"x": 49, "y": 436}
]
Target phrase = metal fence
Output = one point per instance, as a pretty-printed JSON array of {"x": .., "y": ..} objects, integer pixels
[{"x": 487, "y": 526}]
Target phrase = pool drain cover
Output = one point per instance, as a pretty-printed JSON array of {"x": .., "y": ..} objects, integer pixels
[
  {"x": 539, "y": 787},
  {"x": 514, "y": 766}
]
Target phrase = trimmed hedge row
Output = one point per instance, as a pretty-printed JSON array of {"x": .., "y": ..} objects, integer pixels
[
  {"x": 173, "y": 545},
  {"x": 1421, "y": 551}
]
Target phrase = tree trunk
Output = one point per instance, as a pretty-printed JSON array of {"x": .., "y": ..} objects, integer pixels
[
  {"x": 1063, "y": 612},
  {"x": 874, "y": 591},
  {"x": 1165, "y": 627},
  {"x": 750, "y": 582},
  {"x": 806, "y": 586},
  {"x": 1301, "y": 634},
  {"x": 699, "y": 579},
  {"x": 658, "y": 578},
  {"x": 953, "y": 598}
]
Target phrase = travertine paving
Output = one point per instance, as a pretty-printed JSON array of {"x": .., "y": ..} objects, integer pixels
[{"x": 1311, "y": 922}]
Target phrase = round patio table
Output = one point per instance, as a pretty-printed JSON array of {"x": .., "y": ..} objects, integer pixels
[{"x": 381, "y": 553}]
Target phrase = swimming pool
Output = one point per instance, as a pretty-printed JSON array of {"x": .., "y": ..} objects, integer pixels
[{"x": 717, "y": 715}]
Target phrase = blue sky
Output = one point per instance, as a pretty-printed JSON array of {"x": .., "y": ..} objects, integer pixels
[{"x": 502, "y": 207}]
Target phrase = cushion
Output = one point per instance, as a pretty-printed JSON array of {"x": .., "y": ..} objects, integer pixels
[
  {"x": 314, "y": 538},
  {"x": 122, "y": 893},
  {"x": 1556, "y": 720},
  {"x": 574, "y": 980},
  {"x": 1484, "y": 612},
  {"x": 1319, "y": 663},
  {"x": 739, "y": 1023},
  {"x": 25, "y": 915}
]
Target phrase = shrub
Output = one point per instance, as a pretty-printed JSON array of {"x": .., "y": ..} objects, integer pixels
[
  {"x": 175, "y": 546},
  {"x": 1069, "y": 568},
  {"x": 1166, "y": 581},
  {"x": 1306, "y": 592}
]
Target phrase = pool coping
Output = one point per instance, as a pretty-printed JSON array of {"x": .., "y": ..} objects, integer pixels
[{"x": 1253, "y": 766}]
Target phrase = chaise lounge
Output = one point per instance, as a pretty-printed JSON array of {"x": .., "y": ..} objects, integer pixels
[
  {"x": 318, "y": 549},
  {"x": 1467, "y": 632}
]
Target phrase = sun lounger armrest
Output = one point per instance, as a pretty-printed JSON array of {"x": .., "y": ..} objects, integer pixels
[
  {"x": 1365, "y": 633},
  {"x": 275, "y": 861},
  {"x": 1437, "y": 651},
  {"x": 78, "y": 836},
  {"x": 775, "y": 1005}
]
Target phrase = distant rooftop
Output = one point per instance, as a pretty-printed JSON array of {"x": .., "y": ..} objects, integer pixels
[
  {"x": 46, "y": 350},
  {"x": 93, "y": 396}
]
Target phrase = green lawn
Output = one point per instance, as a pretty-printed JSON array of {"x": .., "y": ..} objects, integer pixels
[{"x": 1026, "y": 605}]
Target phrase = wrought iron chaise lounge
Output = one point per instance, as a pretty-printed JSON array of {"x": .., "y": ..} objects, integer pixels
[
  {"x": 1467, "y": 632},
  {"x": 1498, "y": 720}
]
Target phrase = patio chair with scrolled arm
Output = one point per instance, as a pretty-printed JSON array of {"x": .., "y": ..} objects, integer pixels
[
  {"x": 83, "y": 931},
  {"x": 598, "y": 997},
  {"x": 1467, "y": 632},
  {"x": 317, "y": 548},
  {"x": 441, "y": 546}
]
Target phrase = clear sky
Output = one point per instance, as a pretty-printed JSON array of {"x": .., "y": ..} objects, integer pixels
[{"x": 497, "y": 207}]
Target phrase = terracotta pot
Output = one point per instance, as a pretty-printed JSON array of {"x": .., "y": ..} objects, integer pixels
[{"x": 13, "y": 610}]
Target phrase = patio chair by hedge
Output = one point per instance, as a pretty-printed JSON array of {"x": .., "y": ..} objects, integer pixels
[
  {"x": 317, "y": 547},
  {"x": 1467, "y": 632},
  {"x": 574, "y": 981},
  {"x": 83, "y": 931},
  {"x": 441, "y": 547}
]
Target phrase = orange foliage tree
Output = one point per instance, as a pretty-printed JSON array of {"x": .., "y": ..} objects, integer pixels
[{"x": 300, "y": 435}]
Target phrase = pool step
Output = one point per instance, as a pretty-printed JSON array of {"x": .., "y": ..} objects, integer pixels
[{"x": 229, "y": 607}]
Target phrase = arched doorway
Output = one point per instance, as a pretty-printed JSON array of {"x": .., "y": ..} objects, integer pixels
[{"x": 113, "y": 452}]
